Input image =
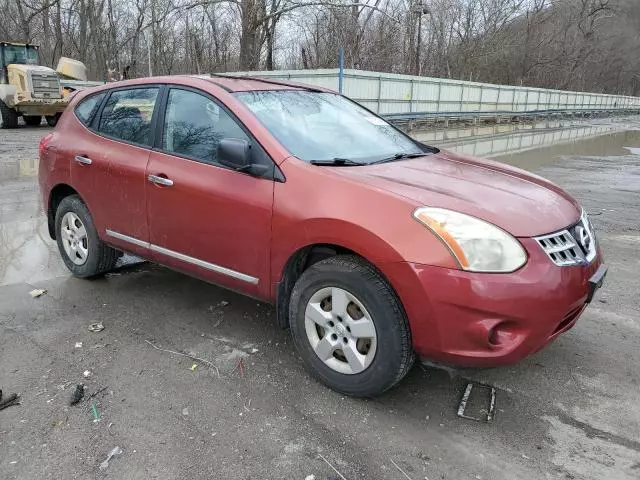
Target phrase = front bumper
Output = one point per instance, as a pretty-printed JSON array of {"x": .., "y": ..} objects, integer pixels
[
  {"x": 41, "y": 107},
  {"x": 482, "y": 319}
]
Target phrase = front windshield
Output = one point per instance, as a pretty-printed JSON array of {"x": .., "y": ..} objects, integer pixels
[
  {"x": 318, "y": 126},
  {"x": 21, "y": 54}
]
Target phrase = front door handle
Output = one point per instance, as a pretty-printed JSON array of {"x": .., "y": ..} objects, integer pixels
[
  {"x": 158, "y": 180},
  {"x": 83, "y": 160}
]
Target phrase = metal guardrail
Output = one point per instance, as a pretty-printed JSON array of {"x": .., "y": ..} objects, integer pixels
[
  {"x": 503, "y": 114},
  {"x": 395, "y": 94}
]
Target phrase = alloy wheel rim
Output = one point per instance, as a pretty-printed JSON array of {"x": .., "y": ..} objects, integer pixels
[
  {"x": 340, "y": 330},
  {"x": 74, "y": 238}
]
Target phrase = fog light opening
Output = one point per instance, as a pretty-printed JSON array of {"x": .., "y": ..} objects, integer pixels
[{"x": 494, "y": 336}]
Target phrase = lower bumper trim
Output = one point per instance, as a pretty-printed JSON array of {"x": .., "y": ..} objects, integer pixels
[{"x": 596, "y": 281}]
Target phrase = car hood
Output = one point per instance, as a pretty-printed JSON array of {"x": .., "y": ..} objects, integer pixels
[{"x": 519, "y": 202}]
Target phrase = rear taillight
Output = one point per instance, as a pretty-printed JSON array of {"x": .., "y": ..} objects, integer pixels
[{"x": 43, "y": 143}]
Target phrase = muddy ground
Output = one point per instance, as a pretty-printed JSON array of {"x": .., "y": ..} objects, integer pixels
[{"x": 569, "y": 412}]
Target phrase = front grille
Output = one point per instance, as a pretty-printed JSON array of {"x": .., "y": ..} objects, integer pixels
[
  {"x": 45, "y": 86},
  {"x": 572, "y": 246}
]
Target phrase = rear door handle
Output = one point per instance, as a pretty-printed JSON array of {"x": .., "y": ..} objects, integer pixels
[
  {"x": 83, "y": 160},
  {"x": 164, "y": 181}
]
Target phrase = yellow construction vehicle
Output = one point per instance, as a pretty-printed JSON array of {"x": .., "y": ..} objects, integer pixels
[{"x": 31, "y": 91}]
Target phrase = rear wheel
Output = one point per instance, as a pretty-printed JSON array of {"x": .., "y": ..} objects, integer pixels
[
  {"x": 52, "y": 120},
  {"x": 32, "y": 120},
  {"x": 8, "y": 116},
  {"x": 82, "y": 250},
  {"x": 349, "y": 327}
]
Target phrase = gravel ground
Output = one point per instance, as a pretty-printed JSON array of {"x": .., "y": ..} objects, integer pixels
[{"x": 569, "y": 412}]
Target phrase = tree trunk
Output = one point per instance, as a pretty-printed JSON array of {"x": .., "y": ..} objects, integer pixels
[{"x": 249, "y": 53}]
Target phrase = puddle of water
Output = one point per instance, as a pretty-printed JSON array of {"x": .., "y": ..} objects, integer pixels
[
  {"x": 535, "y": 145},
  {"x": 27, "y": 254},
  {"x": 607, "y": 145}
]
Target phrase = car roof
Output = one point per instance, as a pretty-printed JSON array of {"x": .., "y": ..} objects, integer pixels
[
  {"x": 233, "y": 83},
  {"x": 229, "y": 83}
]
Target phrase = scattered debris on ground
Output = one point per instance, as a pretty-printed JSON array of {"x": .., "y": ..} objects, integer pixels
[
  {"x": 223, "y": 303},
  {"x": 95, "y": 413},
  {"x": 77, "y": 395},
  {"x": 487, "y": 412},
  {"x": 115, "y": 451},
  {"x": 78, "y": 344},
  {"x": 193, "y": 367},
  {"x": 98, "y": 391},
  {"x": 96, "y": 327},
  {"x": 332, "y": 467},
  {"x": 86, "y": 373},
  {"x": 240, "y": 367},
  {"x": 37, "y": 292},
  {"x": 192, "y": 357},
  {"x": 9, "y": 400},
  {"x": 401, "y": 471}
]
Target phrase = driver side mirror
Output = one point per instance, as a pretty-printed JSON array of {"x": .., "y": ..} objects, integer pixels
[{"x": 236, "y": 153}]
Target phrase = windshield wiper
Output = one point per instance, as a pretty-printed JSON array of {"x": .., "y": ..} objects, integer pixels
[
  {"x": 400, "y": 156},
  {"x": 339, "y": 162}
]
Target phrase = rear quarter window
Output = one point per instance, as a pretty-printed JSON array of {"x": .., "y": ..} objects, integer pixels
[{"x": 87, "y": 108}]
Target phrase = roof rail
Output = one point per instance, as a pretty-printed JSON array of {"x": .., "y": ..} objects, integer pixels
[{"x": 268, "y": 80}]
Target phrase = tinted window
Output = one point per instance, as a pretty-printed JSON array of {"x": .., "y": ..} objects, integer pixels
[
  {"x": 127, "y": 115},
  {"x": 195, "y": 124},
  {"x": 87, "y": 108}
]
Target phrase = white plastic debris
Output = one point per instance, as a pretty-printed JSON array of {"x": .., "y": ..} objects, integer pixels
[
  {"x": 38, "y": 292},
  {"x": 223, "y": 303},
  {"x": 185, "y": 411},
  {"x": 78, "y": 344},
  {"x": 115, "y": 451},
  {"x": 310, "y": 477},
  {"x": 86, "y": 373}
]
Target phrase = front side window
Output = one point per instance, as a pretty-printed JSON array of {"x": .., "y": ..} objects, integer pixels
[
  {"x": 194, "y": 125},
  {"x": 87, "y": 108},
  {"x": 127, "y": 115},
  {"x": 318, "y": 126}
]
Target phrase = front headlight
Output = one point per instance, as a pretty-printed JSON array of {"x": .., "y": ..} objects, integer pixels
[{"x": 478, "y": 246}]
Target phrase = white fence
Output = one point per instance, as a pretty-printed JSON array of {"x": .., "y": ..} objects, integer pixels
[{"x": 387, "y": 93}]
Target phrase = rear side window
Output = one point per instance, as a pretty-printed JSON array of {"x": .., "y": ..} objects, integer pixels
[
  {"x": 127, "y": 115},
  {"x": 88, "y": 107}
]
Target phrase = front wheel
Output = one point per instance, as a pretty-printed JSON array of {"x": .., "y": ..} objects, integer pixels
[
  {"x": 349, "y": 327},
  {"x": 52, "y": 120},
  {"x": 8, "y": 116},
  {"x": 84, "y": 254}
]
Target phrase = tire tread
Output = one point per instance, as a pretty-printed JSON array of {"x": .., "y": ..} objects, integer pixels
[
  {"x": 9, "y": 116},
  {"x": 382, "y": 289},
  {"x": 106, "y": 256}
]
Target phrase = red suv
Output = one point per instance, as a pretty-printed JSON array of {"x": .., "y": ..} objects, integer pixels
[{"x": 373, "y": 247}]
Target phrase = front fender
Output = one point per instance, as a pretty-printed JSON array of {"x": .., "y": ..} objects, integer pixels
[
  {"x": 317, "y": 206},
  {"x": 7, "y": 94}
]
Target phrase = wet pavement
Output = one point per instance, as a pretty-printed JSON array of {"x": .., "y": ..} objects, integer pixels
[{"x": 570, "y": 411}]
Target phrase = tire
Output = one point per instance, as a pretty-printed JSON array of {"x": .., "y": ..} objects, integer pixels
[
  {"x": 99, "y": 257},
  {"x": 32, "y": 120},
  {"x": 8, "y": 116},
  {"x": 52, "y": 120},
  {"x": 393, "y": 355}
]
